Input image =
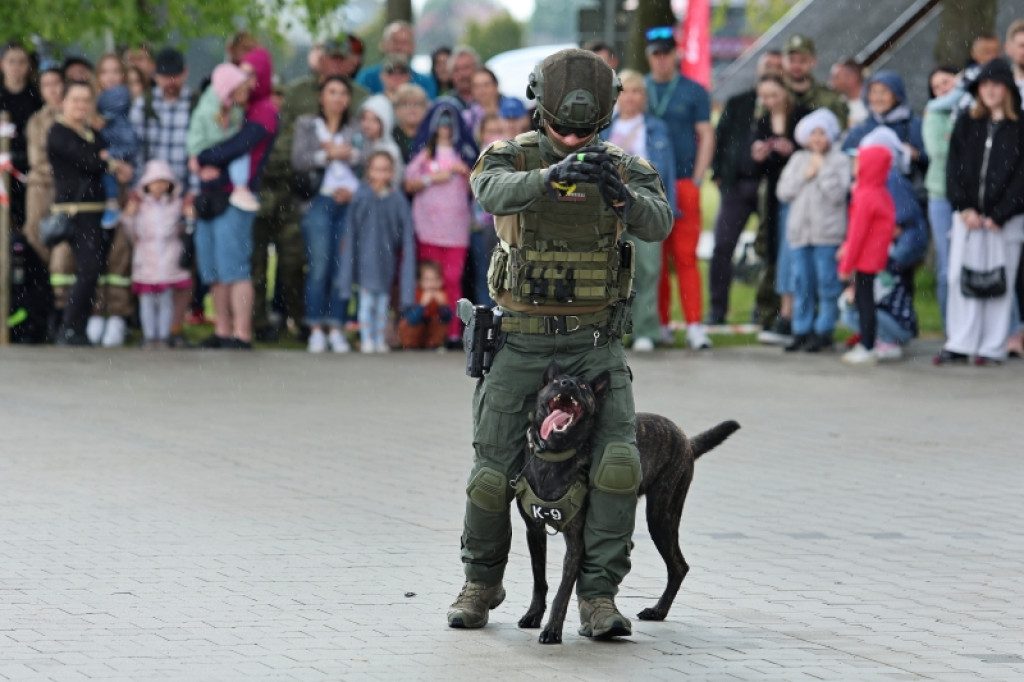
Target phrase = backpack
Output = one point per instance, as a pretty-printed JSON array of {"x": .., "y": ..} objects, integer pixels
[{"x": 31, "y": 294}]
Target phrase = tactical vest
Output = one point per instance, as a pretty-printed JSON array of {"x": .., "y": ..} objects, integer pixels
[
  {"x": 556, "y": 514},
  {"x": 563, "y": 250}
]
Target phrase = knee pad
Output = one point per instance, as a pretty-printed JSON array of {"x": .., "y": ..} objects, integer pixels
[
  {"x": 488, "y": 490},
  {"x": 619, "y": 471}
]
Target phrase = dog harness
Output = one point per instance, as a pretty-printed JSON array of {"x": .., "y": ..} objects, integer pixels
[
  {"x": 556, "y": 514},
  {"x": 559, "y": 513}
]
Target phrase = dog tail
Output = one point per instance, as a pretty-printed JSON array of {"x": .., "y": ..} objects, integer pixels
[{"x": 713, "y": 437}]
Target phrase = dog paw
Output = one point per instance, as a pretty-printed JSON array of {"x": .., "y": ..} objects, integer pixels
[
  {"x": 531, "y": 620},
  {"x": 550, "y": 635},
  {"x": 651, "y": 614}
]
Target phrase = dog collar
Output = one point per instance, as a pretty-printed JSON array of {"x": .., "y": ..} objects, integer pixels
[{"x": 555, "y": 457}]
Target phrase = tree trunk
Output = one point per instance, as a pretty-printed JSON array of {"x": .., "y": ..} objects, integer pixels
[
  {"x": 399, "y": 10},
  {"x": 648, "y": 14},
  {"x": 959, "y": 25}
]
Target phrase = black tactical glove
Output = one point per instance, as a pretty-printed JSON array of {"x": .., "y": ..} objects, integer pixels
[
  {"x": 613, "y": 190},
  {"x": 583, "y": 165}
]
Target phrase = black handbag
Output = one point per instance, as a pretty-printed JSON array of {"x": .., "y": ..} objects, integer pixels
[
  {"x": 188, "y": 248},
  {"x": 984, "y": 282},
  {"x": 59, "y": 225},
  {"x": 209, "y": 205},
  {"x": 306, "y": 185}
]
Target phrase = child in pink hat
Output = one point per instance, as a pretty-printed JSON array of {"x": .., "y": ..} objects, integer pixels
[
  {"x": 218, "y": 116},
  {"x": 152, "y": 219}
]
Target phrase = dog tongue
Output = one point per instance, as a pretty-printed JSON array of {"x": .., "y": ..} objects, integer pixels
[{"x": 556, "y": 418}]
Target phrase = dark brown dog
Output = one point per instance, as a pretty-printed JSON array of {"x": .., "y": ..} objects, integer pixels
[{"x": 564, "y": 419}]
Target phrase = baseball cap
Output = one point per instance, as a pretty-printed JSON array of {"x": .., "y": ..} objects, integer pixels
[
  {"x": 344, "y": 45},
  {"x": 799, "y": 43},
  {"x": 169, "y": 62},
  {"x": 660, "y": 39},
  {"x": 512, "y": 107}
]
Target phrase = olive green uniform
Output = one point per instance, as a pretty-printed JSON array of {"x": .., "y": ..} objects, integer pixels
[
  {"x": 541, "y": 326},
  {"x": 278, "y": 219},
  {"x": 820, "y": 96}
]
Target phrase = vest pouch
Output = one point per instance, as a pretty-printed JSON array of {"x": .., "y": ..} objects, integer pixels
[
  {"x": 497, "y": 272},
  {"x": 627, "y": 266}
]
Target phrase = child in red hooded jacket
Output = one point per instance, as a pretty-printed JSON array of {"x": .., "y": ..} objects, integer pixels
[{"x": 864, "y": 254}]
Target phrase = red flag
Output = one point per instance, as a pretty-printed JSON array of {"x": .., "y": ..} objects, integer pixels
[{"x": 695, "y": 42}]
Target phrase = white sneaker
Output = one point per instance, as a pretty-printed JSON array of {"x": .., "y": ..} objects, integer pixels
[
  {"x": 242, "y": 199},
  {"x": 317, "y": 341},
  {"x": 668, "y": 336},
  {"x": 367, "y": 347},
  {"x": 113, "y": 333},
  {"x": 338, "y": 342},
  {"x": 382, "y": 347},
  {"x": 94, "y": 329},
  {"x": 888, "y": 351},
  {"x": 697, "y": 337},
  {"x": 643, "y": 345},
  {"x": 859, "y": 355}
]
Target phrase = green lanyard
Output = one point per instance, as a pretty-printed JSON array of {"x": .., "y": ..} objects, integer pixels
[{"x": 659, "y": 104}]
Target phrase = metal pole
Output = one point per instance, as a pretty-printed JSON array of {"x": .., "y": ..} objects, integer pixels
[
  {"x": 5, "y": 236},
  {"x": 609, "y": 22}
]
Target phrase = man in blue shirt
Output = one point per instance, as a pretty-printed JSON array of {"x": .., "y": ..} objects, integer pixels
[
  {"x": 398, "y": 38},
  {"x": 685, "y": 108}
]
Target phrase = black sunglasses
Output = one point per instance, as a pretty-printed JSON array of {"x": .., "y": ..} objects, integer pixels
[
  {"x": 400, "y": 70},
  {"x": 566, "y": 131}
]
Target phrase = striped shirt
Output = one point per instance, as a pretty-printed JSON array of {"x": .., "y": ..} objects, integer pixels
[{"x": 163, "y": 136}]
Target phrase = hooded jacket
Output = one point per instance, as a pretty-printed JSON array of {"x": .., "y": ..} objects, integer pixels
[
  {"x": 155, "y": 230},
  {"x": 900, "y": 118},
  {"x": 380, "y": 106},
  {"x": 817, "y": 207},
  {"x": 1003, "y": 176},
  {"x": 872, "y": 215},
  {"x": 258, "y": 132},
  {"x": 114, "y": 105},
  {"x": 204, "y": 128}
]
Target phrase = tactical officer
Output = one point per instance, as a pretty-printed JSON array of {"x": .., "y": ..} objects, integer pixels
[
  {"x": 561, "y": 199},
  {"x": 798, "y": 60}
]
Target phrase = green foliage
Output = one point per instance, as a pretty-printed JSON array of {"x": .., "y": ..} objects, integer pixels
[
  {"x": 762, "y": 14},
  {"x": 64, "y": 22},
  {"x": 502, "y": 33}
]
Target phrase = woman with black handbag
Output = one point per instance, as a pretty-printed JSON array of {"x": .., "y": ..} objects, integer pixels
[
  {"x": 985, "y": 186},
  {"x": 79, "y": 160}
]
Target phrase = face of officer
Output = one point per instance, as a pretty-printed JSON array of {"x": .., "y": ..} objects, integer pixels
[
  {"x": 569, "y": 138},
  {"x": 799, "y": 65}
]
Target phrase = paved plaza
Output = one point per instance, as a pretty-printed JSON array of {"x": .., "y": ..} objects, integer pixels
[{"x": 204, "y": 516}]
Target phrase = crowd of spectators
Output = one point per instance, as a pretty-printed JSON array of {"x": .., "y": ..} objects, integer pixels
[{"x": 358, "y": 176}]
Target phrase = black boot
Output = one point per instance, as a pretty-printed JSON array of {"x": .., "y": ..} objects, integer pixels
[
  {"x": 818, "y": 343},
  {"x": 799, "y": 342}
]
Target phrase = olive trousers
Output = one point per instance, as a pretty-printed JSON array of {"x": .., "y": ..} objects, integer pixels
[{"x": 502, "y": 405}]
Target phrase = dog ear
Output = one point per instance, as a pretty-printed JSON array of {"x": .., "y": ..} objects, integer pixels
[
  {"x": 601, "y": 384},
  {"x": 552, "y": 371}
]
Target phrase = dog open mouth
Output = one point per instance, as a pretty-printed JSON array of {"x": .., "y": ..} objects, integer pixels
[{"x": 564, "y": 412}]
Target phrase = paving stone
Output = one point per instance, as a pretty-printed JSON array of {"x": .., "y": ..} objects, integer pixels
[{"x": 262, "y": 516}]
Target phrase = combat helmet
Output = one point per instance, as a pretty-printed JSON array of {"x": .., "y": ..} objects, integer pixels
[{"x": 575, "y": 89}]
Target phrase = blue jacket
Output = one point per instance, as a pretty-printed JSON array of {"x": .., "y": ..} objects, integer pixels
[
  {"x": 660, "y": 154},
  {"x": 911, "y": 246},
  {"x": 114, "y": 105},
  {"x": 904, "y": 123}
]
